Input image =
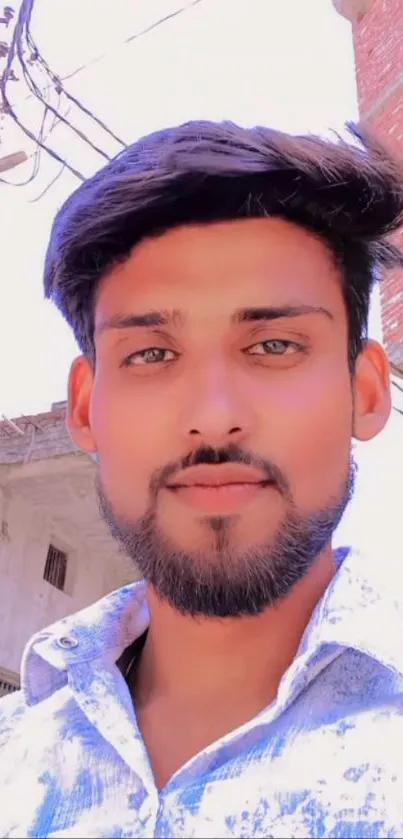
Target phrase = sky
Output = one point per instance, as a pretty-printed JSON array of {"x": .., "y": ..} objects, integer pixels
[{"x": 288, "y": 64}]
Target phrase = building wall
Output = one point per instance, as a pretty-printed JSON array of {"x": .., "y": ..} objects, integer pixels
[
  {"x": 26, "y": 602},
  {"x": 378, "y": 46},
  {"x": 31, "y": 520},
  {"x": 47, "y": 496}
]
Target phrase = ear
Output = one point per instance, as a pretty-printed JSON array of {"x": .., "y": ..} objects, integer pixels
[
  {"x": 81, "y": 381},
  {"x": 372, "y": 399}
]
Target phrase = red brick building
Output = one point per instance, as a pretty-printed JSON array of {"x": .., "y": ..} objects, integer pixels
[{"x": 377, "y": 27}]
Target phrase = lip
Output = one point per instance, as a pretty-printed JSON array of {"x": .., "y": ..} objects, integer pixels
[
  {"x": 219, "y": 500},
  {"x": 218, "y": 490},
  {"x": 226, "y": 474}
]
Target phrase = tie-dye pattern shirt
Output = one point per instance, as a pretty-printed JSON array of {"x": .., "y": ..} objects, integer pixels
[{"x": 325, "y": 759}]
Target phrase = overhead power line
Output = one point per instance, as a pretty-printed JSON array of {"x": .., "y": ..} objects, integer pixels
[{"x": 43, "y": 83}]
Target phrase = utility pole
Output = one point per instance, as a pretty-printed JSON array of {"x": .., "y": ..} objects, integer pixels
[{"x": 10, "y": 160}]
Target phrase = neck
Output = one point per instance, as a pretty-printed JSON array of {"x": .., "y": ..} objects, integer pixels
[{"x": 203, "y": 660}]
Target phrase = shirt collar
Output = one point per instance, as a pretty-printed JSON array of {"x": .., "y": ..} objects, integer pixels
[
  {"x": 359, "y": 610},
  {"x": 101, "y": 632},
  {"x": 362, "y": 608}
]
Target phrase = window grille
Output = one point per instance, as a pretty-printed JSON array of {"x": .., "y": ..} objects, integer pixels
[{"x": 56, "y": 567}]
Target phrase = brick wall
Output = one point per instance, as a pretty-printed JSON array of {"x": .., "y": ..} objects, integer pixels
[{"x": 378, "y": 44}]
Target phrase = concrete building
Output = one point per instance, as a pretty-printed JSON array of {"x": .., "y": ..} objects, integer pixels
[{"x": 56, "y": 554}]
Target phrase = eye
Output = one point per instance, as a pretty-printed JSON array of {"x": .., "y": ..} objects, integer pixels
[
  {"x": 151, "y": 355},
  {"x": 274, "y": 346}
]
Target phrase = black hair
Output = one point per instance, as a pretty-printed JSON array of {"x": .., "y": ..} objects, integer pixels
[{"x": 350, "y": 194}]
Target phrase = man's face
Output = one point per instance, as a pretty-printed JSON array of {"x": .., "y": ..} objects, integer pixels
[{"x": 234, "y": 348}]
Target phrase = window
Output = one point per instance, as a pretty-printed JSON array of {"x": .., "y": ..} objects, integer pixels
[
  {"x": 56, "y": 567},
  {"x": 9, "y": 682}
]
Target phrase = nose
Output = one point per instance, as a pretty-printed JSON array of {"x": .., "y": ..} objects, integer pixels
[{"x": 218, "y": 411}]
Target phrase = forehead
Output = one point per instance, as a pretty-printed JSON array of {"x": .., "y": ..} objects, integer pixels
[{"x": 217, "y": 268}]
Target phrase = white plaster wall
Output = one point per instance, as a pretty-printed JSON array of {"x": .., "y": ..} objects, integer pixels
[{"x": 28, "y": 602}]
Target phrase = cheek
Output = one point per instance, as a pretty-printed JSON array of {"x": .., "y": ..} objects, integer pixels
[
  {"x": 314, "y": 430},
  {"x": 129, "y": 438}
]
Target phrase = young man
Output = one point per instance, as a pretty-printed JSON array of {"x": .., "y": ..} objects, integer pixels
[{"x": 218, "y": 280}]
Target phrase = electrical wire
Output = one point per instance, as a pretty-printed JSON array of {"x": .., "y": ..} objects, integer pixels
[{"x": 22, "y": 45}]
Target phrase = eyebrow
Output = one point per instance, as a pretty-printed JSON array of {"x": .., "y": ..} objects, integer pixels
[
  {"x": 248, "y": 315},
  {"x": 132, "y": 321},
  {"x": 276, "y": 312}
]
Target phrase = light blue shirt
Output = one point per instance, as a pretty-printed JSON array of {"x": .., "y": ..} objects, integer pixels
[{"x": 325, "y": 759}]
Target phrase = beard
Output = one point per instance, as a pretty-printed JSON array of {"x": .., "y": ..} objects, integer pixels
[{"x": 221, "y": 581}]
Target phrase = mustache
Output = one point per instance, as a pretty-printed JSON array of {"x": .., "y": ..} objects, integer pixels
[{"x": 210, "y": 456}]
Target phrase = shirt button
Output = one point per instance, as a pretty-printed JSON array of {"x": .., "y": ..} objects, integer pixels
[{"x": 67, "y": 642}]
